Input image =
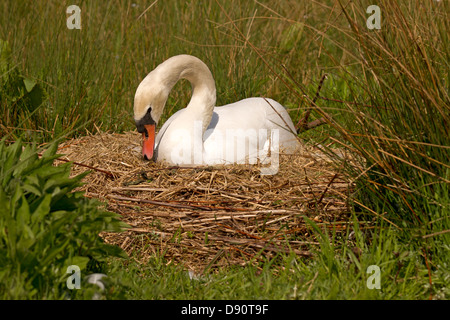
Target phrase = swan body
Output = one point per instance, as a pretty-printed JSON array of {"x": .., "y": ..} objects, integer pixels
[{"x": 246, "y": 131}]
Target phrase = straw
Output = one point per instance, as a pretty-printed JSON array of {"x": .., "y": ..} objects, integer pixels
[{"x": 210, "y": 217}]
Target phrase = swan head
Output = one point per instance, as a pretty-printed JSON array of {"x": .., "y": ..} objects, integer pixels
[
  {"x": 152, "y": 93},
  {"x": 149, "y": 102}
]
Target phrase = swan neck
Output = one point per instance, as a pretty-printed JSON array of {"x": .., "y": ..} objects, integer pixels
[
  {"x": 153, "y": 91},
  {"x": 203, "y": 98}
]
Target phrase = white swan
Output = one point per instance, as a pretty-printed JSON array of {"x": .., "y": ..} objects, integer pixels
[{"x": 246, "y": 131}]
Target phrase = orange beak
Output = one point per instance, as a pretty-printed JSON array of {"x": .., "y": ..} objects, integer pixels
[{"x": 149, "y": 141}]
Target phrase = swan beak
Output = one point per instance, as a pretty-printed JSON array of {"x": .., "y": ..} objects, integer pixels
[{"x": 149, "y": 141}]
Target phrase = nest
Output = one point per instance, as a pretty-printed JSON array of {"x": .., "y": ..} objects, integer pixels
[{"x": 209, "y": 217}]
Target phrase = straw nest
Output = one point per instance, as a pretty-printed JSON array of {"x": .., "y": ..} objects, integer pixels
[{"x": 209, "y": 217}]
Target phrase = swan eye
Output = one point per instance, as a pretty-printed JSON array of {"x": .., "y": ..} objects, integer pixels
[{"x": 145, "y": 120}]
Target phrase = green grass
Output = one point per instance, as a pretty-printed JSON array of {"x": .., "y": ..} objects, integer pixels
[
  {"x": 335, "y": 272},
  {"x": 91, "y": 74},
  {"x": 386, "y": 92}
]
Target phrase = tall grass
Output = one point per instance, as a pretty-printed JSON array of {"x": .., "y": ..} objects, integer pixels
[
  {"x": 91, "y": 74},
  {"x": 403, "y": 138},
  {"x": 402, "y": 72}
]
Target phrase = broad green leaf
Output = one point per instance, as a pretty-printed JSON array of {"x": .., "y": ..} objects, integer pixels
[
  {"x": 36, "y": 97},
  {"x": 33, "y": 189},
  {"x": 23, "y": 212},
  {"x": 79, "y": 261},
  {"x": 15, "y": 200},
  {"x": 50, "y": 151},
  {"x": 29, "y": 84},
  {"x": 43, "y": 209},
  {"x": 12, "y": 158},
  {"x": 113, "y": 250},
  {"x": 53, "y": 252}
]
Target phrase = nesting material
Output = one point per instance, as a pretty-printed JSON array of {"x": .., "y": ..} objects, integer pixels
[{"x": 209, "y": 217}]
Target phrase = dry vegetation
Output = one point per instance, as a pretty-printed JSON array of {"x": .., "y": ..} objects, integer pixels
[{"x": 210, "y": 216}]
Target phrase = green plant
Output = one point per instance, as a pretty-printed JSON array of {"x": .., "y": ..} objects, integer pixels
[
  {"x": 20, "y": 96},
  {"x": 403, "y": 137},
  {"x": 44, "y": 225}
]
